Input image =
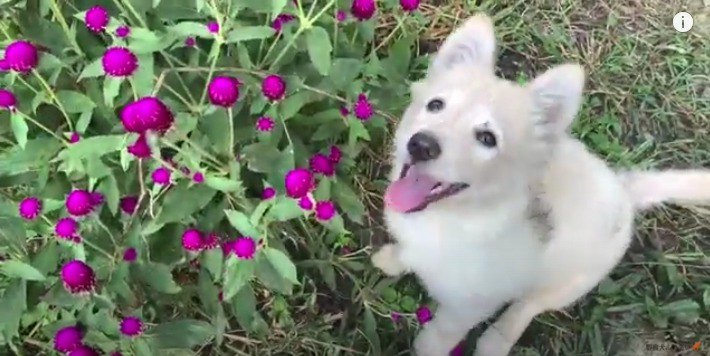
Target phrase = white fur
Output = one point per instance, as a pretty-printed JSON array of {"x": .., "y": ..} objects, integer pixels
[{"x": 481, "y": 248}]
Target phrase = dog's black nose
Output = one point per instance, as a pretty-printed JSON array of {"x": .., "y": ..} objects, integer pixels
[{"x": 423, "y": 147}]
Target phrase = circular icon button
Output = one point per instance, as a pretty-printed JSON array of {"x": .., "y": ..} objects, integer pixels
[{"x": 682, "y": 21}]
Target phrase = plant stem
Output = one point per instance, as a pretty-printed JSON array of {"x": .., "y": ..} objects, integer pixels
[
  {"x": 211, "y": 72},
  {"x": 230, "y": 120},
  {"x": 54, "y": 98},
  {"x": 38, "y": 124},
  {"x": 63, "y": 22}
]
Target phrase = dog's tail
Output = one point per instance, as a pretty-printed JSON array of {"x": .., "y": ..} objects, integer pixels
[{"x": 650, "y": 188}]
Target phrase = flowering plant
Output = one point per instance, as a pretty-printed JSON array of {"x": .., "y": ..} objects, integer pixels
[{"x": 180, "y": 169}]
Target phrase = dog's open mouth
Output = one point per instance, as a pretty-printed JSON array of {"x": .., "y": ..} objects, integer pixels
[{"x": 414, "y": 191}]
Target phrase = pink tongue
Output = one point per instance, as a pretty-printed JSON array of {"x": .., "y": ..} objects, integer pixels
[{"x": 409, "y": 192}]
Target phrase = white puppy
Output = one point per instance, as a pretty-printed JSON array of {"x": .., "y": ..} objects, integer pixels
[{"x": 492, "y": 201}]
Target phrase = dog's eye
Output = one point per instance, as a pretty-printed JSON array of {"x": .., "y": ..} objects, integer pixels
[
  {"x": 486, "y": 138},
  {"x": 435, "y": 105}
]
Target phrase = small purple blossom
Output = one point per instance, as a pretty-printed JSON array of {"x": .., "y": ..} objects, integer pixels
[
  {"x": 78, "y": 277},
  {"x": 21, "y": 56},
  {"x": 68, "y": 338},
  {"x": 130, "y": 254},
  {"x": 228, "y": 247},
  {"x": 273, "y": 87},
  {"x": 223, "y": 91},
  {"x": 265, "y": 124},
  {"x": 140, "y": 149},
  {"x": 423, "y": 314},
  {"x": 123, "y": 31},
  {"x": 7, "y": 100},
  {"x": 362, "y": 108},
  {"x": 4, "y": 66},
  {"x": 79, "y": 202},
  {"x": 198, "y": 177},
  {"x": 131, "y": 326},
  {"x": 161, "y": 176},
  {"x": 128, "y": 204},
  {"x": 83, "y": 350},
  {"x": 213, "y": 27},
  {"x": 325, "y": 210},
  {"x": 66, "y": 228},
  {"x": 298, "y": 182},
  {"x": 395, "y": 316},
  {"x": 409, "y": 5},
  {"x": 97, "y": 198},
  {"x": 363, "y": 9},
  {"x": 280, "y": 21},
  {"x": 146, "y": 113},
  {"x": 458, "y": 350},
  {"x": 335, "y": 154},
  {"x": 344, "y": 111},
  {"x": 192, "y": 240},
  {"x": 211, "y": 241},
  {"x": 96, "y": 19},
  {"x": 119, "y": 62},
  {"x": 244, "y": 247},
  {"x": 320, "y": 163},
  {"x": 268, "y": 193},
  {"x": 74, "y": 137},
  {"x": 306, "y": 203},
  {"x": 30, "y": 208},
  {"x": 341, "y": 16},
  {"x": 190, "y": 42}
]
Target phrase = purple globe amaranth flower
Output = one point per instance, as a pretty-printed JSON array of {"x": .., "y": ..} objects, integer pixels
[
  {"x": 78, "y": 277},
  {"x": 341, "y": 16},
  {"x": 192, "y": 240},
  {"x": 66, "y": 228},
  {"x": 363, "y": 9},
  {"x": 198, "y": 177},
  {"x": 395, "y": 316},
  {"x": 320, "y": 163},
  {"x": 265, "y": 124},
  {"x": 228, "y": 247},
  {"x": 97, "y": 198},
  {"x": 280, "y": 21},
  {"x": 268, "y": 193},
  {"x": 273, "y": 87},
  {"x": 119, "y": 62},
  {"x": 84, "y": 350},
  {"x": 123, "y": 31},
  {"x": 362, "y": 108},
  {"x": 130, "y": 254},
  {"x": 344, "y": 111},
  {"x": 224, "y": 91},
  {"x": 79, "y": 202},
  {"x": 128, "y": 204},
  {"x": 161, "y": 176},
  {"x": 68, "y": 338},
  {"x": 4, "y": 66},
  {"x": 409, "y": 5},
  {"x": 423, "y": 314},
  {"x": 244, "y": 248},
  {"x": 190, "y": 42},
  {"x": 335, "y": 154},
  {"x": 140, "y": 149},
  {"x": 30, "y": 208},
  {"x": 306, "y": 203},
  {"x": 298, "y": 182},
  {"x": 211, "y": 241},
  {"x": 21, "y": 56},
  {"x": 74, "y": 137},
  {"x": 458, "y": 350},
  {"x": 325, "y": 210},
  {"x": 213, "y": 27},
  {"x": 96, "y": 19},
  {"x": 146, "y": 113},
  {"x": 131, "y": 326},
  {"x": 7, "y": 100}
]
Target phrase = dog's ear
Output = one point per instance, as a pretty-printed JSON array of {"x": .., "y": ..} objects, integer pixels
[
  {"x": 557, "y": 95},
  {"x": 472, "y": 44}
]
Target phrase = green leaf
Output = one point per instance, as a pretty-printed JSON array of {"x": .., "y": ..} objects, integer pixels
[
  {"x": 18, "y": 269},
  {"x": 237, "y": 274},
  {"x": 706, "y": 298},
  {"x": 112, "y": 86},
  {"x": 685, "y": 311},
  {"x": 19, "y": 129},
  {"x": 143, "y": 80},
  {"x": 241, "y": 222},
  {"x": 250, "y": 33},
  {"x": 270, "y": 277},
  {"x": 181, "y": 334},
  {"x": 92, "y": 70},
  {"x": 344, "y": 71},
  {"x": 36, "y": 154},
  {"x": 75, "y": 102},
  {"x": 180, "y": 203},
  {"x": 109, "y": 186},
  {"x": 216, "y": 127},
  {"x": 222, "y": 184},
  {"x": 12, "y": 232},
  {"x": 294, "y": 103},
  {"x": 145, "y": 41},
  {"x": 346, "y": 198},
  {"x": 95, "y": 146},
  {"x": 14, "y": 304},
  {"x": 212, "y": 259},
  {"x": 244, "y": 307},
  {"x": 319, "y": 49},
  {"x": 282, "y": 263},
  {"x": 261, "y": 157},
  {"x": 357, "y": 131},
  {"x": 84, "y": 120},
  {"x": 190, "y": 28},
  {"x": 159, "y": 277},
  {"x": 371, "y": 332},
  {"x": 285, "y": 209}
]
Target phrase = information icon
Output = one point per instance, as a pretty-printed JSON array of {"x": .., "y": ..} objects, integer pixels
[{"x": 682, "y": 21}]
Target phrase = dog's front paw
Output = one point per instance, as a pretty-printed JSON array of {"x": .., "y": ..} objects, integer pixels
[
  {"x": 387, "y": 260},
  {"x": 430, "y": 342},
  {"x": 492, "y": 343}
]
